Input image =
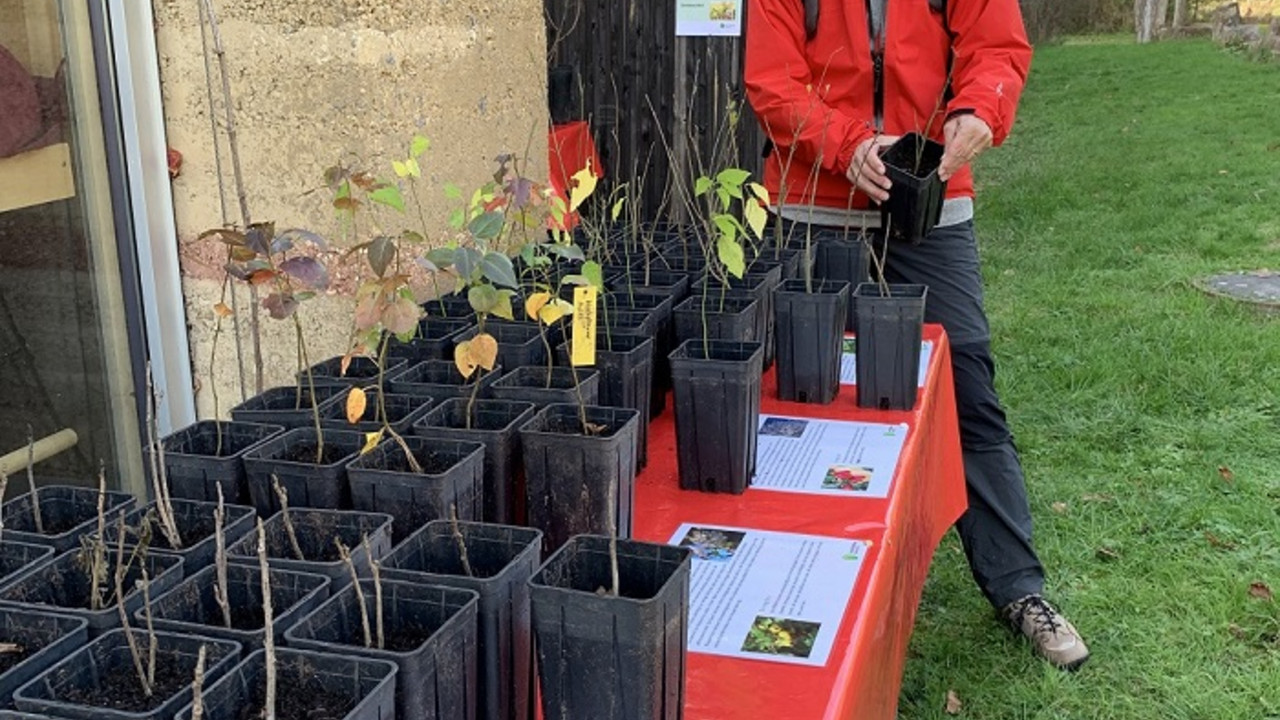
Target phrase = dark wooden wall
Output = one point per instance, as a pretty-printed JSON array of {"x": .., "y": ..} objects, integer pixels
[{"x": 636, "y": 77}]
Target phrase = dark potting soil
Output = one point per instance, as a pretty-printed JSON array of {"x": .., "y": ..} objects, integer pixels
[
  {"x": 299, "y": 701},
  {"x": 57, "y": 524},
  {"x": 305, "y": 453},
  {"x": 193, "y": 530},
  {"x": 119, "y": 689},
  {"x": 431, "y": 463},
  {"x": 485, "y": 421},
  {"x": 573, "y": 426},
  {"x": 13, "y": 657},
  {"x": 407, "y": 637},
  {"x": 247, "y": 619}
]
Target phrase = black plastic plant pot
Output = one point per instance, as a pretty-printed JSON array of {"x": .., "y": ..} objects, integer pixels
[
  {"x": 64, "y": 585},
  {"x": 66, "y": 514},
  {"x": 519, "y": 343},
  {"x": 495, "y": 424},
  {"x": 291, "y": 458},
  {"x": 501, "y": 559},
  {"x": 195, "y": 523},
  {"x": 441, "y": 380},
  {"x": 717, "y": 399},
  {"x": 99, "y": 682},
  {"x": 889, "y": 332},
  {"x": 209, "y": 453},
  {"x": 577, "y": 482},
  {"x": 16, "y": 557},
  {"x": 452, "y": 477},
  {"x": 192, "y": 607},
  {"x": 625, "y": 364},
  {"x": 544, "y": 385},
  {"x": 19, "y": 715},
  {"x": 916, "y": 197},
  {"x": 733, "y": 317},
  {"x": 662, "y": 307},
  {"x": 309, "y": 684},
  {"x": 288, "y": 406},
  {"x": 360, "y": 372},
  {"x": 810, "y": 337},
  {"x": 655, "y": 280},
  {"x": 429, "y": 633},
  {"x": 453, "y": 306},
  {"x": 760, "y": 285},
  {"x": 39, "y": 640},
  {"x": 842, "y": 258},
  {"x": 317, "y": 531},
  {"x": 434, "y": 339},
  {"x": 602, "y": 655},
  {"x": 402, "y": 411},
  {"x": 789, "y": 257}
]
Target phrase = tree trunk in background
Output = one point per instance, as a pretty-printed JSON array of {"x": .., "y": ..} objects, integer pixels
[
  {"x": 1144, "y": 19},
  {"x": 1162, "y": 17},
  {"x": 1179, "y": 13}
]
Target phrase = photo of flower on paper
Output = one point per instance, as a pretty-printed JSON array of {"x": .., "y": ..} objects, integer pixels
[
  {"x": 724, "y": 10},
  {"x": 712, "y": 544},
  {"x": 849, "y": 346},
  {"x": 847, "y": 478},
  {"x": 780, "y": 636},
  {"x": 783, "y": 427}
]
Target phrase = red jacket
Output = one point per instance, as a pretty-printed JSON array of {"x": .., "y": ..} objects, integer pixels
[{"x": 815, "y": 98}]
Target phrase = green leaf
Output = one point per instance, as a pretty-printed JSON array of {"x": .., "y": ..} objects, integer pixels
[
  {"x": 441, "y": 257},
  {"x": 486, "y": 226},
  {"x": 732, "y": 177},
  {"x": 497, "y": 268},
  {"x": 412, "y": 236},
  {"x": 727, "y": 227},
  {"x": 702, "y": 186},
  {"x": 594, "y": 274},
  {"x": 381, "y": 252},
  {"x": 467, "y": 261},
  {"x": 616, "y": 210},
  {"x": 731, "y": 254},
  {"x": 566, "y": 252},
  {"x": 457, "y": 218},
  {"x": 418, "y": 146},
  {"x": 453, "y": 192},
  {"x": 484, "y": 298},
  {"x": 401, "y": 169},
  {"x": 502, "y": 308},
  {"x": 388, "y": 195},
  {"x": 725, "y": 197}
]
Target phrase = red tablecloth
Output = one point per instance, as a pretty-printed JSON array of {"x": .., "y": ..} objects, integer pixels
[
  {"x": 570, "y": 148},
  {"x": 862, "y": 678}
]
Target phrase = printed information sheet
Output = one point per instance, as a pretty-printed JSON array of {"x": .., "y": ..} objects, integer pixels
[
  {"x": 766, "y": 595},
  {"x": 709, "y": 17},
  {"x": 849, "y": 361},
  {"x": 827, "y": 456}
]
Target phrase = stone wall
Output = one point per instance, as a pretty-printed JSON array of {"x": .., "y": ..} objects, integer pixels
[{"x": 316, "y": 82}]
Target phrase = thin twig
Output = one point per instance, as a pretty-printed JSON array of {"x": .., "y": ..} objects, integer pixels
[
  {"x": 220, "y": 560},
  {"x": 31, "y": 482},
  {"x": 268, "y": 626},
  {"x": 376, "y": 568},
  {"x": 283, "y": 496},
  {"x": 197, "y": 687},
  {"x": 159, "y": 479},
  {"x": 134, "y": 650},
  {"x": 152, "y": 641},
  {"x": 345, "y": 554},
  {"x": 98, "y": 551},
  {"x": 457, "y": 538}
]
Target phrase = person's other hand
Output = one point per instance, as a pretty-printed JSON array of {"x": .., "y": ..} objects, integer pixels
[
  {"x": 966, "y": 136},
  {"x": 866, "y": 171}
]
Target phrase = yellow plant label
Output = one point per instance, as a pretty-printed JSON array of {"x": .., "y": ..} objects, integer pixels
[{"x": 584, "y": 325}]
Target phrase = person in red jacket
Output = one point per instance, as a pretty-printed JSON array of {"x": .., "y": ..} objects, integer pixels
[{"x": 833, "y": 83}]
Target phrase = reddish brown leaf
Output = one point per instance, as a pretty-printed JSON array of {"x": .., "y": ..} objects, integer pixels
[
  {"x": 953, "y": 705},
  {"x": 261, "y": 277},
  {"x": 1260, "y": 590},
  {"x": 346, "y": 203},
  {"x": 1218, "y": 542},
  {"x": 1226, "y": 473},
  {"x": 1238, "y": 632},
  {"x": 357, "y": 403},
  {"x": 222, "y": 310}
]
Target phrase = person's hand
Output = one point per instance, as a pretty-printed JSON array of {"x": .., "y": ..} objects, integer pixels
[
  {"x": 966, "y": 137},
  {"x": 866, "y": 171}
]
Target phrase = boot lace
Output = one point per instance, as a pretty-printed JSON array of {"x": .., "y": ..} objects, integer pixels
[{"x": 1043, "y": 616}]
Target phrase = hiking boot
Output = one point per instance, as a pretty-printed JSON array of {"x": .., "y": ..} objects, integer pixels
[{"x": 1052, "y": 637}]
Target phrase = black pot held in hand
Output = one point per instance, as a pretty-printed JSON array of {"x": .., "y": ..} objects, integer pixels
[{"x": 915, "y": 199}]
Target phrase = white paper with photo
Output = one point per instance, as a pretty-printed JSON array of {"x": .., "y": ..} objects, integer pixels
[
  {"x": 849, "y": 362},
  {"x": 769, "y": 596},
  {"x": 828, "y": 457}
]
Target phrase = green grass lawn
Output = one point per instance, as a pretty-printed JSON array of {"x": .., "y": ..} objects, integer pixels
[{"x": 1148, "y": 414}]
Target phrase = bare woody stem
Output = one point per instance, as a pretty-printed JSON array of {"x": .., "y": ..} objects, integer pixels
[
  {"x": 613, "y": 537},
  {"x": 268, "y": 626},
  {"x": 414, "y": 465},
  {"x": 4, "y": 487},
  {"x": 31, "y": 482},
  {"x": 283, "y": 496},
  {"x": 376, "y": 568},
  {"x": 121, "y": 570},
  {"x": 220, "y": 560},
  {"x": 159, "y": 475},
  {"x": 98, "y": 559},
  {"x": 458, "y": 539},
  {"x": 345, "y": 554},
  {"x": 152, "y": 642},
  {"x": 197, "y": 687}
]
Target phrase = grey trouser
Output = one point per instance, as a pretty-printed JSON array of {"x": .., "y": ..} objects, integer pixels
[{"x": 996, "y": 529}]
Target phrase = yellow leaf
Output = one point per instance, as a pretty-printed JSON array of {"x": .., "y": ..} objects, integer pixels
[
  {"x": 757, "y": 217},
  {"x": 533, "y": 305},
  {"x": 554, "y": 310},
  {"x": 371, "y": 441},
  {"x": 412, "y": 166},
  {"x": 463, "y": 360},
  {"x": 357, "y": 402},
  {"x": 585, "y": 184},
  {"x": 760, "y": 191},
  {"x": 222, "y": 310},
  {"x": 346, "y": 364},
  {"x": 484, "y": 350}
]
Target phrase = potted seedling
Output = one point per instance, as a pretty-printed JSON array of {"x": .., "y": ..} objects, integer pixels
[
  {"x": 302, "y": 540},
  {"x": 444, "y": 474},
  {"x": 889, "y": 330},
  {"x": 717, "y": 381}
]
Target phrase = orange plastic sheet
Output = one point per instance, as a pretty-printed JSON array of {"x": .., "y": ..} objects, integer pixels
[{"x": 862, "y": 678}]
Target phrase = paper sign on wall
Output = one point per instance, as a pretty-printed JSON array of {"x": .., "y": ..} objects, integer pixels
[{"x": 709, "y": 18}]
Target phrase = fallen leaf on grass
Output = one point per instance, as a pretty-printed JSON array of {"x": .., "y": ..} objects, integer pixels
[
  {"x": 1106, "y": 554},
  {"x": 1060, "y": 508},
  {"x": 953, "y": 706},
  {"x": 1218, "y": 542},
  {"x": 1226, "y": 473},
  {"x": 1261, "y": 591},
  {"x": 1238, "y": 632},
  {"x": 1097, "y": 497}
]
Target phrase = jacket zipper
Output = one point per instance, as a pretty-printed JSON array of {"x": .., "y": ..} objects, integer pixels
[{"x": 876, "y": 32}]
